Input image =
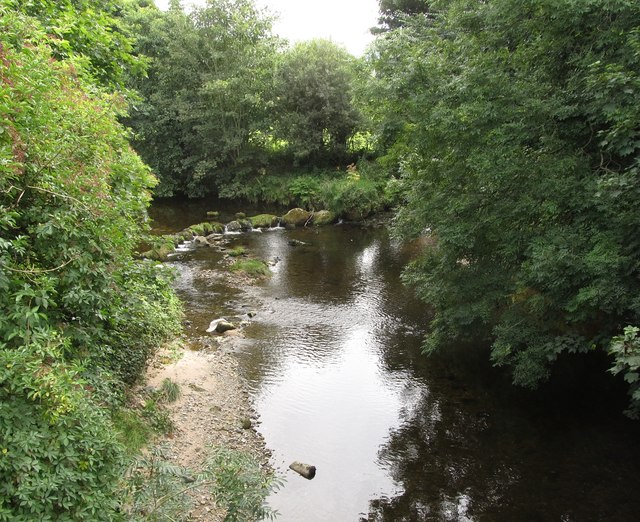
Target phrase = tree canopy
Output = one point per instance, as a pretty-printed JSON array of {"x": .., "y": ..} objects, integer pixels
[{"x": 518, "y": 141}]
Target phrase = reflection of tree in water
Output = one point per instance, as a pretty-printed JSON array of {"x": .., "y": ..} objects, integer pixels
[{"x": 463, "y": 454}]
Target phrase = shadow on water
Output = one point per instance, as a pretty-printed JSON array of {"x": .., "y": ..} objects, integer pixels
[{"x": 338, "y": 379}]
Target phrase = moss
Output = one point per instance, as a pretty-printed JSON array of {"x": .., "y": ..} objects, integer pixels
[
  {"x": 296, "y": 217},
  {"x": 263, "y": 221},
  {"x": 206, "y": 228},
  {"x": 323, "y": 217}
]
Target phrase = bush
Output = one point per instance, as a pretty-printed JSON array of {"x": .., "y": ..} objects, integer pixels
[{"x": 59, "y": 457}]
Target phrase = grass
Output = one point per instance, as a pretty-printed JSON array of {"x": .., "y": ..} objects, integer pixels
[
  {"x": 131, "y": 430},
  {"x": 237, "y": 251},
  {"x": 251, "y": 267}
]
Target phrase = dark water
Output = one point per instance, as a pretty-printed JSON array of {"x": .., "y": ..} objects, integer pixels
[{"x": 333, "y": 361}]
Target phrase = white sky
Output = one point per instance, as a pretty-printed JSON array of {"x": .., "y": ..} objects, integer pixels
[{"x": 345, "y": 22}]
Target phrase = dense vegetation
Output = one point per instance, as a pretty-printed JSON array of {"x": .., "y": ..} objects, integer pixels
[
  {"x": 516, "y": 128},
  {"x": 508, "y": 132}
]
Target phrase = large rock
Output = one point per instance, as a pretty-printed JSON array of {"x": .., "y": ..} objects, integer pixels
[
  {"x": 234, "y": 226},
  {"x": 220, "y": 326},
  {"x": 200, "y": 241},
  {"x": 305, "y": 470},
  {"x": 264, "y": 221},
  {"x": 297, "y": 217},
  {"x": 323, "y": 217}
]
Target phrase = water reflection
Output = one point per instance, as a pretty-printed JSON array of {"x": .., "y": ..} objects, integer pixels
[{"x": 339, "y": 382}]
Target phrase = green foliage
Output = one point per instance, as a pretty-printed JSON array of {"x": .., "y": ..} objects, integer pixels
[
  {"x": 207, "y": 92},
  {"x": 252, "y": 267},
  {"x": 59, "y": 459},
  {"x": 169, "y": 391},
  {"x": 514, "y": 128},
  {"x": 238, "y": 484},
  {"x": 77, "y": 315},
  {"x": 157, "y": 490},
  {"x": 314, "y": 105},
  {"x": 625, "y": 350},
  {"x": 157, "y": 416},
  {"x": 88, "y": 33},
  {"x": 238, "y": 251},
  {"x": 305, "y": 191},
  {"x": 131, "y": 430}
]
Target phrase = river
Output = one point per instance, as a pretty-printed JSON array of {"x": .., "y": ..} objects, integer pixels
[{"x": 333, "y": 362}]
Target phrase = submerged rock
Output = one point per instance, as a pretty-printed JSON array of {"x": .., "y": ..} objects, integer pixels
[
  {"x": 296, "y": 217},
  {"x": 296, "y": 242}
]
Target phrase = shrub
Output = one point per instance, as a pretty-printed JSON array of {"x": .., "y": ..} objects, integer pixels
[{"x": 58, "y": 454}]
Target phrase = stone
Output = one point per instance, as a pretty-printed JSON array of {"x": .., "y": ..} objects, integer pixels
[
  {"x": 220, "y": 326},
  {"x": 234, "y": 226},
  {"x": 296, "y": 217},
  {"x": 200, "y": 241},
  {"x": 296, "y": 242},
  {"x": 264, "y": 221},
  {"x": 304, "y": 470},
  {"x": 323, "y": 217}
]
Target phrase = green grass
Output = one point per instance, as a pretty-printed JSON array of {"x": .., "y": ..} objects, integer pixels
[
  {"x": 131, "y": 430},
  {"x": 237, "y": 251},
  {"x": 252, "y": 267}
]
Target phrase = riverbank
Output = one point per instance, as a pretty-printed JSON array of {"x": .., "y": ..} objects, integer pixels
[{"x": 213, "y": 411}]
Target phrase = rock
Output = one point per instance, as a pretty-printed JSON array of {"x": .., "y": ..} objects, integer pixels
[
  {"x": 252, "y": 314},
  {"x": 200, "y": 241},
  {"x": 305, "y": 470},
  {"x": 245, "y": 225},
  {"x": 295, "y": 242},
  {"x": 296, "y": 217},
  {"x": 234, "y": 226},
  {"x": 246, "y": 423},
  {"x": 264, "y": 221},
  {"x": 240, "y": 215},
  {"x": 213, "y": 214},
  {"x": 323, "y": 217},
  {"x": 220, "y": 326}
]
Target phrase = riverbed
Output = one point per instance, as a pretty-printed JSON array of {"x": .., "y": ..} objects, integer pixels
[{"x": 332, "y": 358}]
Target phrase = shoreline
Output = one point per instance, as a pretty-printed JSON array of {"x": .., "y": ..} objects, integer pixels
[{"x": 213, "y": 411}]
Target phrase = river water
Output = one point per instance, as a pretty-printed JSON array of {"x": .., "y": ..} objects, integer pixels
[{"x": 333, "y": 362}]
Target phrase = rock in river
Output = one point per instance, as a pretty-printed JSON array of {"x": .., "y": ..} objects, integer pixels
[
  {"x": 305, "y": 470},
  {"x": 220, "y": 326}
]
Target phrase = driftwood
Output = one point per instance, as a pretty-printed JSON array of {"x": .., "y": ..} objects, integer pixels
[{"x": 305, "y": 470}]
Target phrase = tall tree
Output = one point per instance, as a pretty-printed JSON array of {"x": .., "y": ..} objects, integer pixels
[
  {"x": 206, "y": 96},
  {"x": 521, "y": 155},
  {"x": 314, "y": 101}
]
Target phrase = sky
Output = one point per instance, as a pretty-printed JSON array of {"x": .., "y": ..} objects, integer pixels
[{"x": 345, "y": 22}]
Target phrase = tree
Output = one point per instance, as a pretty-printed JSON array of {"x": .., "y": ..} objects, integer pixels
[
  {"x": 76, "y": 311},
  {"x": 520, "y": 154},
  {"x": 206, "y": 98},
  {"x": 314, "y": 107},
  {"x": 394, "y": 13}
]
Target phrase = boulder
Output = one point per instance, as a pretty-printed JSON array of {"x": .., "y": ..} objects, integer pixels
[
  {"x": 305, "y": 470},
  {"x": 264, "y": 221},
  {"x": 296, "y": 242},
  {"x": 200, "y": 241},
  {"x": 220, "y": 326},
  {"x": 324, "y": 217},
  {"x": 234, "y": 226},
  {"x": 297, "y": 217},
  {"x": 213, "y": 214}
]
